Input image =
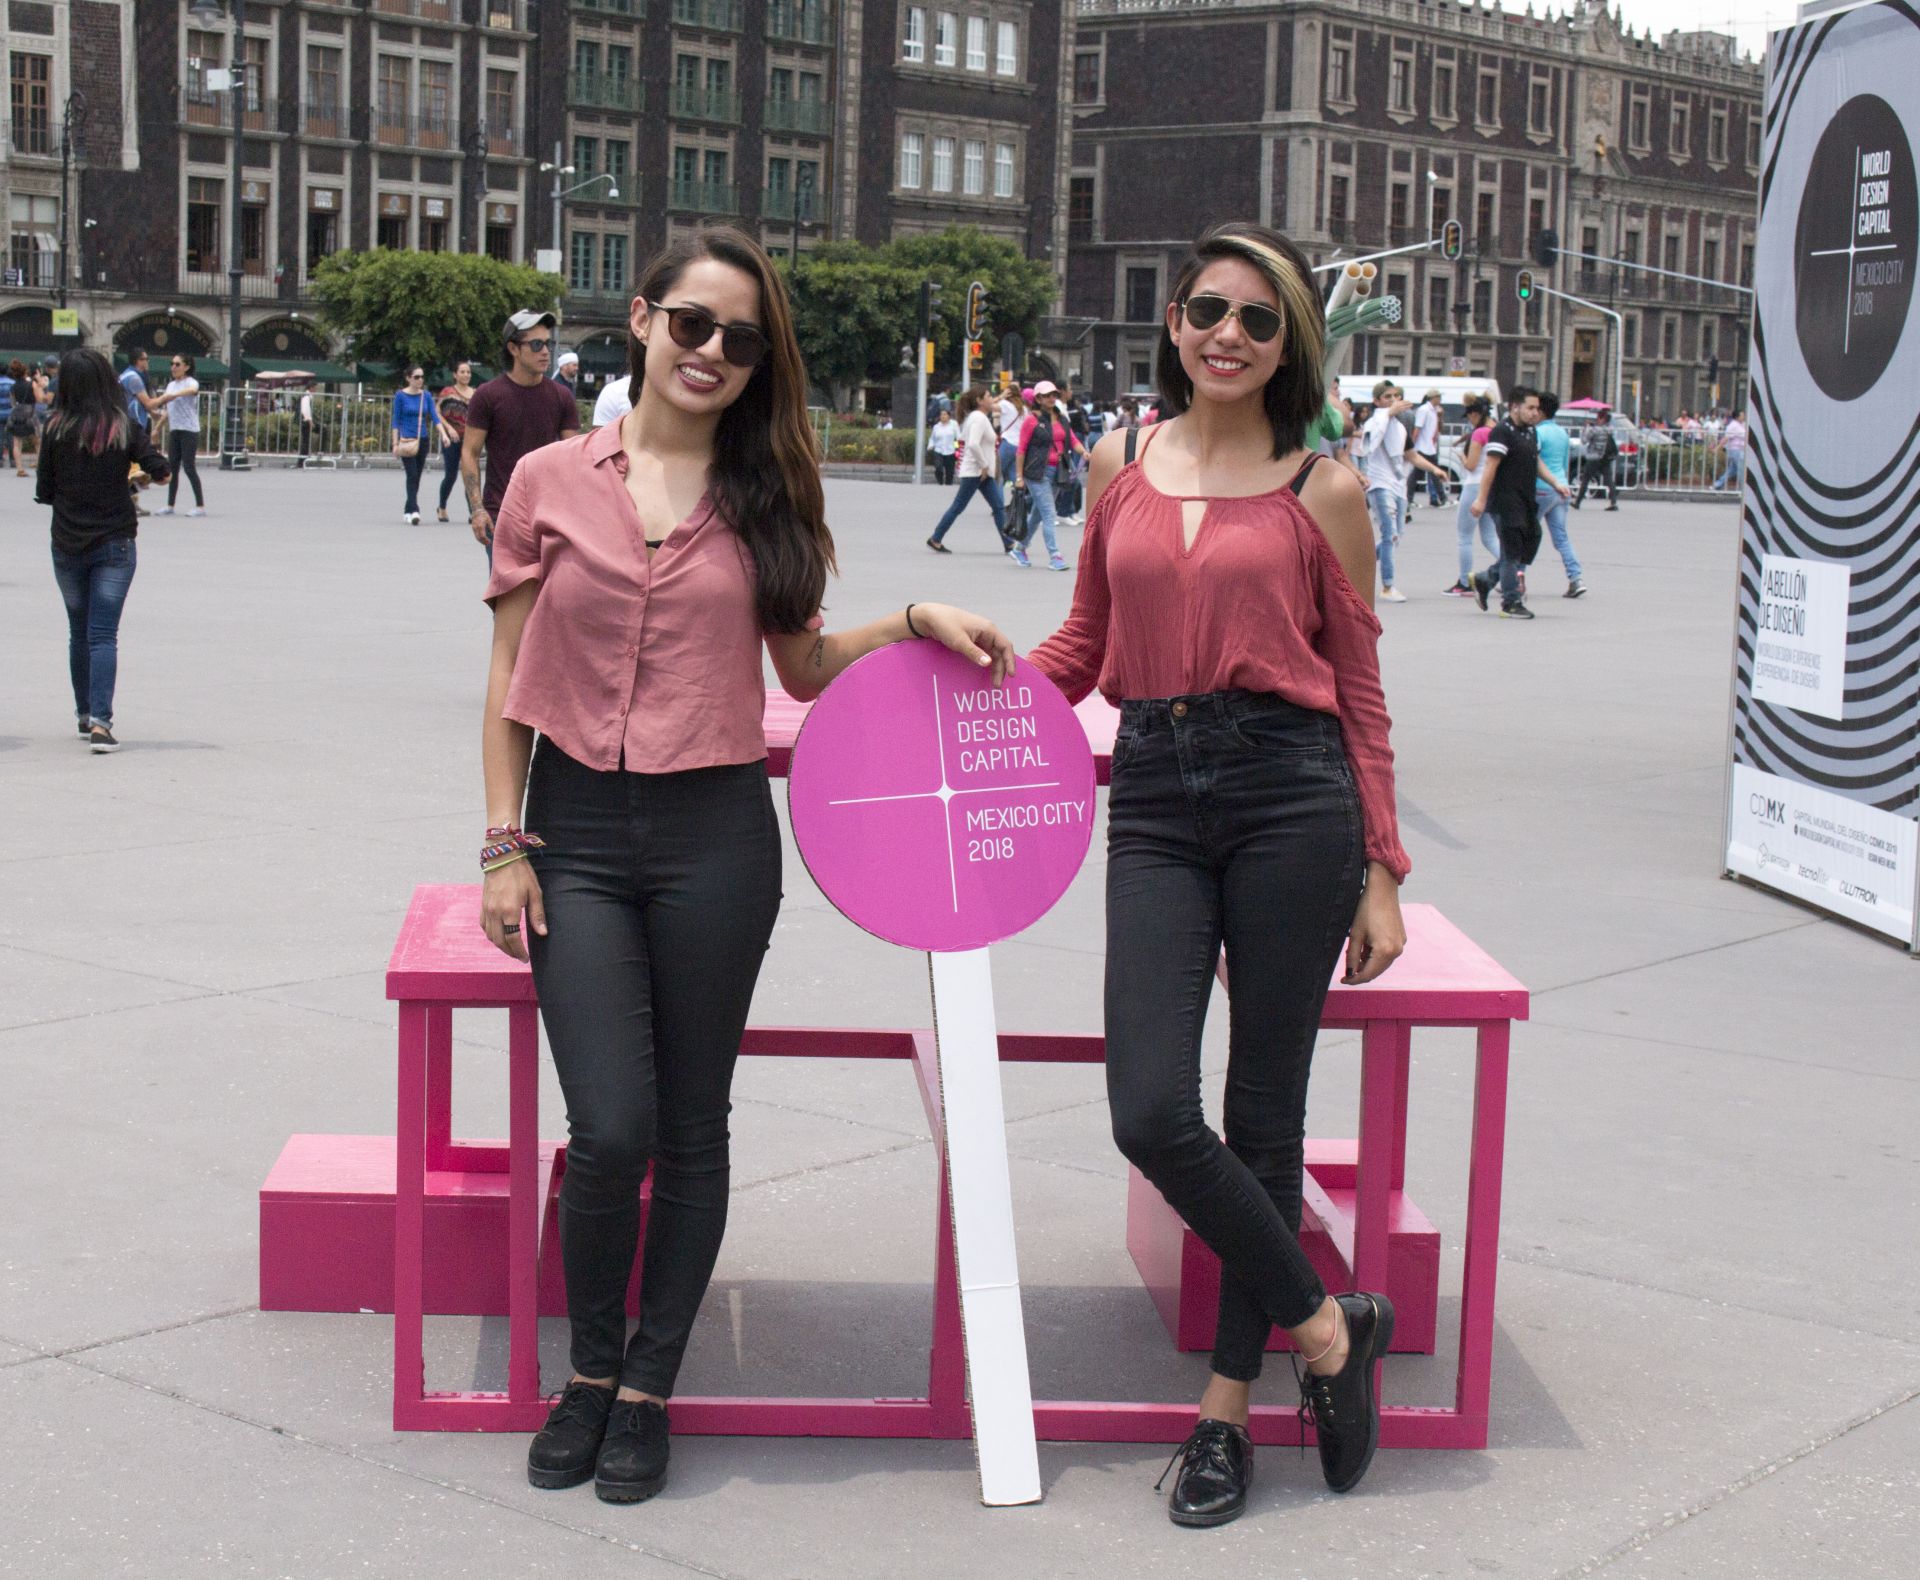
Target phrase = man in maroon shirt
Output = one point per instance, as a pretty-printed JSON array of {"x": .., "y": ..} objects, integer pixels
[{"x": 510, "y": 415}]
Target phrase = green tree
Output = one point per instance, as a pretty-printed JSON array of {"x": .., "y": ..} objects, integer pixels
[
  {"x": 430, "y": 307},
  {"x": 1019, "y": 291},
  {"x": 853, "y": 310}
]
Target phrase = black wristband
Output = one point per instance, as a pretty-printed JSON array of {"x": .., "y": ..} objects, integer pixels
[{"x": 911, "y": 629}]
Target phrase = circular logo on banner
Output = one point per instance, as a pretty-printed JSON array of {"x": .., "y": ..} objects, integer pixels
[
  {"x": 935, "y": 810},
  {"x": 1854, "y": 248}
]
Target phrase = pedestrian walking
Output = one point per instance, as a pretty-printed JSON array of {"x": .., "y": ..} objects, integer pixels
[
  {"x": 512, "y": 415},
  {"x": 22, "y": 426},
  {"x": 1508, "y": 471},
  {"x": 1426, "y": 444},
  {"x": 1045, "y": 447},
  {"x": 6, "y": 419},
  {"x": 566, "y": 370},
  {"x": 649, "y": 562},
  {"x": 1007, "y": 413},
  {"x": 305, "y": 413},
  {"x": 1598, "y": 450},
  {"x": 90, "y": 445},
  {"x": 1478, "y": 410},
  {"x": 1551, "y": 493},
  {"x": 1384, "y": 444},
  {"x": 942, "y": 441},
  {"x": 978, "y": 457},
  {"x": 453, "y": 402},
  {"x": 413, "y": 422},
  {"x": 1223, "y": 606},
  {"x": 179, "y": 402},
  {"x": 1733, "y": 447}
]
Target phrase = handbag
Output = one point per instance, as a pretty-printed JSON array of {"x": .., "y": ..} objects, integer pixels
[{"x": 1019, "y": 519}]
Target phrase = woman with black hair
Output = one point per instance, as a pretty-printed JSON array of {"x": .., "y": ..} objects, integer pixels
[
  {"x": 1224, "y": 605},
  {"x": 180, "y": 400},
  {"x": 89, "y": 447},
  {"x": 637, "y": 572}
]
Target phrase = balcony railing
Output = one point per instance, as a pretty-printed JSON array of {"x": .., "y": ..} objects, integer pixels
[
  {"x": 691, "y": 102},
  {"x": 728, "y": 16},
  {"x": 412, "y": 131},
  {"x": 214, "y": 282},
  {"x": 633, "y": 8},
  {"x": 421, "y": 10},
  {"x": 326, "y": 120},
  {"x": 32, "y": 137},
  {"x": 595, "y": 90},
  {"x": 506, "y": 142},
  {"x": 780, "y": 203},
  {"x": 799, "y": 24},
  {"x": 704, "y": 197},
  {"x": 598, "y": 304},
  {"x": 808, "y": 116},
  {"x": 215, "y": 110}
]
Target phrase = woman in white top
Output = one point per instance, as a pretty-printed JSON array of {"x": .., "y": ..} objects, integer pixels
[
  {"x": 944, "y": 439},
  {"x": 179, "y": 402},
  {"x": 1478, "y": 411},
  {"x": 976, "y": 447}
]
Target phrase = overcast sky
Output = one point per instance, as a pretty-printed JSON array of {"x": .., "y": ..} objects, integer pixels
[{"x": 1748, "y": 20}]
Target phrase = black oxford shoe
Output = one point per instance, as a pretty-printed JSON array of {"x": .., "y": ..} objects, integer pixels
[
  {"x": 564, "y": 1451},
  {"x": 1216, "y": 1463},
  {"x": 1344, "y": 1409},
  {"x": 633, "y": 1459}
]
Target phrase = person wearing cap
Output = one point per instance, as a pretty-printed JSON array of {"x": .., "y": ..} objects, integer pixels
[
  {"x": 1045, "y": 443},
  {"x": 513, "y": 415},
  {"x": 566, "y": 370}
]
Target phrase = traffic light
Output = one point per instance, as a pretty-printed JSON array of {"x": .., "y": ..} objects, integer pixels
[
  {"x": 976, "y": 353},
  {"x": 929, "y": 305},
  {"x": 1453, "y": 241},
  {"x": 976, "y": 311},
  {"x": 1546, "y": 248},
  {"x": 1523, "y": 285}
]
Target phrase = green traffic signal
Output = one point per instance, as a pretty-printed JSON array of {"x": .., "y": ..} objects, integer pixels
[
  {"x": 1523, "y": 285},
  {"x": 1452, "y": 241}
]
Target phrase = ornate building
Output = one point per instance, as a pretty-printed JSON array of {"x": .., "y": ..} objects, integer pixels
[{"x": 1364, "y": 125}]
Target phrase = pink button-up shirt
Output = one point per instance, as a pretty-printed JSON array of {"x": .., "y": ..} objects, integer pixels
[{"x": 652, "y": 664}]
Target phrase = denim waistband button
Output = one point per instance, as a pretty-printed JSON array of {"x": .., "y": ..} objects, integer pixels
[{"x": 1179, "y": 710}]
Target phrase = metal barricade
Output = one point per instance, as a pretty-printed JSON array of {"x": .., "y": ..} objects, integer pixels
[{"x": 273, "y": 427}]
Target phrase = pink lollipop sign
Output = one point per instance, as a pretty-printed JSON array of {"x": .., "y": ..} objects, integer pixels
[{"x": 938, "y": 811}]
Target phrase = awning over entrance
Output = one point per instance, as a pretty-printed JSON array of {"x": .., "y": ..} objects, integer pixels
[{"x": 323, "y": 372}]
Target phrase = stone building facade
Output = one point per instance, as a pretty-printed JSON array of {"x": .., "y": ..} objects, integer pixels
[
  {"x": 1363, "y": 126},
  {"x": 439, "y": 124}
]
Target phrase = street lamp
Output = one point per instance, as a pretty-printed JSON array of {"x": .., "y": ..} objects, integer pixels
[
  {"x": 207, "y": 14},
  {"x": 74, "y": 114},
  {"x": 557, "y": 170}
]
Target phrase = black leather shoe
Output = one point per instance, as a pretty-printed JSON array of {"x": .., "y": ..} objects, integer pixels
[
  {"x": 1344, "y": 1409},
  {"x": 1216, "y": 1464},
  {"x": 633, "y": 1459},
  {"x": 563, "y": 1451}
]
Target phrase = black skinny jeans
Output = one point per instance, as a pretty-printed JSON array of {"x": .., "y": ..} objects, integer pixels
[
  {"x": 661, "y": 892},
  {"x": 181, "y": 449},
  {"x": 1233, "y": 818}
]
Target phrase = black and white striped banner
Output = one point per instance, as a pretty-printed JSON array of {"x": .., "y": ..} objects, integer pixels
[{"x": 1824, "y": 789}]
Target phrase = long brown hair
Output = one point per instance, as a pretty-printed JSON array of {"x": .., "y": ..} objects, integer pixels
[
  {"x": 766, "y": 468},
  {"x": 1295, "y": 395}
]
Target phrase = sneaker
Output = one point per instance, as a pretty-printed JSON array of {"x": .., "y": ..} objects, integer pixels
[
  {"x": 937, "y": 546},
  {"x": 1216, "y": 1463},
  {"x": 1515, "y": 611},
  {"x": 1056, "y": 563},
  {"x": 1481, "y": 587},
  {"x": 1344, "y": 1407},
  {"x": 633, "y": 1458},
  {"x": 1019, "y": 556},
  {"x": 1576, "y": 588},
  {"x": 1393, "y": 595},
  {"x": 1459, "y": 590},
  {"x": 164, "y": 510},
  {"x": 564, "y": 1451},
  {"x": 100, "y": 738},
  {"x": 201, "y": 510}
]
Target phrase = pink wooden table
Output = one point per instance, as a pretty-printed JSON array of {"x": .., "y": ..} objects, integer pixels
[{"x": 442, "y": 962}]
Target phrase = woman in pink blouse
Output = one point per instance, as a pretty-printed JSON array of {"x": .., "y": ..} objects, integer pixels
[
  {"x": 1223, "y": 605},
  {"x": 637, "y": 571}
]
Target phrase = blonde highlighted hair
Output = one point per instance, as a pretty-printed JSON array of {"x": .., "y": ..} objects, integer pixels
[{"x": 1294, "y": 396}]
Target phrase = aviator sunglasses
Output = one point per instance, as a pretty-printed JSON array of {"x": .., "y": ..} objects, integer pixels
[
  {"x": 743, "y": 345},
  {"x": 1207, "y": 311}
]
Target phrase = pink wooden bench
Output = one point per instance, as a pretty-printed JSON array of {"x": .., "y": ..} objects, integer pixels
[{"x": 415, "y": 1224}]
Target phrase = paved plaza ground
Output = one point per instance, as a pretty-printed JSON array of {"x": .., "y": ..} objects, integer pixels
[{"x": 1708, "y": 1348}]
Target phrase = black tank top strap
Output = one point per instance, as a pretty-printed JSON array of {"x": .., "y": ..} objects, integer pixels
[
  {"x": 1133, "y": 440},
  {"x": 1300, "y": 476}
]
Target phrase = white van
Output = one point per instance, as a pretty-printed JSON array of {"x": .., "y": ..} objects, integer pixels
[{"x": 1358, "y": 390}]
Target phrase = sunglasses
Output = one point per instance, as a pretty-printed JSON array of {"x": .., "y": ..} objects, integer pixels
[
  {"x": 1207, "y": 311},
  {"x": 412, "y": 376},
  {"x": 535, "y": 345},
  {"x": 743, "y": 345}
]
